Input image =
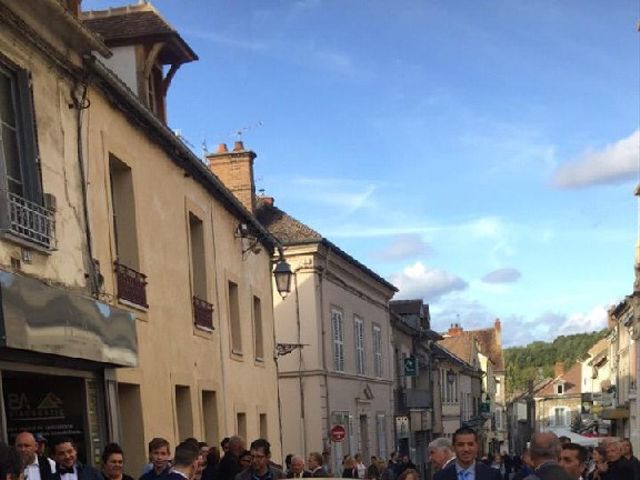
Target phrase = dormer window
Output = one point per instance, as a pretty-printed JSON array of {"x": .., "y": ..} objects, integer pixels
[{"x": 560, "y": 388}]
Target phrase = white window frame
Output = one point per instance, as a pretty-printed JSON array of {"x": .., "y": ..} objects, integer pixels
[
  {"x": 358, "y": 333},
  {"x": 337, "y": 328},
  {"x": 381, "y": 435},
  {"x": 377, "y": 352}
]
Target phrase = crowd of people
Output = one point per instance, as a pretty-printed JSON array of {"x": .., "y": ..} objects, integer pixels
[{"x": 547, "y": 458}]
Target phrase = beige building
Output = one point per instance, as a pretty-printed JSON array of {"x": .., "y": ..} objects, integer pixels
[
  {"x": 336, "y": 320},
  {"x": 167, "y": 307},
  {"x": 558, "y": 401}
]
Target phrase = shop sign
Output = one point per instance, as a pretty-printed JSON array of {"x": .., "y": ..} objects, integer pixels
[
  {"x": 410, "y": 367},
  {"x": 402, "y": 427}
]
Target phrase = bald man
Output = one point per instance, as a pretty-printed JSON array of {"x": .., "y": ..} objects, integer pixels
[
  {"x": 36, "y": 468},
  {"x": 545, "y": 453}
]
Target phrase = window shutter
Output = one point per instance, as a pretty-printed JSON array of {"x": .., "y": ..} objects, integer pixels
[{"x": 30, "y": 160}]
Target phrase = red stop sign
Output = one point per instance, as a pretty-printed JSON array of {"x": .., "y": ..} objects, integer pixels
[{"x": 338, "y": 433}]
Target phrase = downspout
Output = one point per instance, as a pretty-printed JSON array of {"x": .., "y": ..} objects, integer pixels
[
  {"x": 324, "y": 335},
  {"x": 300, "y": 381}
]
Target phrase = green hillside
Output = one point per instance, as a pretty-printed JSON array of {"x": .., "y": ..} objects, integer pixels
[{"x": 536, "y": 360}]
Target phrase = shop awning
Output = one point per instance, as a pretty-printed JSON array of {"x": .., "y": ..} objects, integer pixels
[
  {"x": 615, "y": 413},
  {"x": 46, "y": 319}
]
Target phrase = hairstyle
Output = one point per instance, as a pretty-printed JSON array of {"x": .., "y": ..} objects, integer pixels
[
  {"x": 235, "y": 441},
  {"x": 564, "y": 439},
  {"x": 544, "y": 446},
  {"x": 202, "y": 444},
  {"x": 157, "y": 443},
  {"x": 186, "y": 453},
  {"x": 581, "y": 452},
  {"x": 317, "y": 457},
  {"x": 628, "y": 442},
  {"x": 224, "y": 442},
  {"x": 465, "y": 431},
  {"x": 601, "y": 451},
  {"x": 193, "y": 441},
  {"x": 109, "y": 450},
  {"x": 10, "y": 462},
  {"x": 244, "y": 454},
  {"x": 441, "y": 443},
  {"x": 407, "y": 472},
  {"x": 213, "y": 457},
  {"x": 287, "y": 459},
  {"x": 263, "y": 444},
  {"x": 59, "y": 441}
]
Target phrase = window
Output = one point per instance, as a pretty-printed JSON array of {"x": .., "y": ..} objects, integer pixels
[
  {"x": 263, "y": 426},
  {"x": 381, "y": 435},
  {"x": 131, "y": 284},
  {"x": 132, "y": 434},
  {"x": 19, "y": 152},
  {"x": 257, "y": 330},
  {"x": 183, "y": 411},
  {"x": 241, "y": 419},
  {"x": 559, "y": 417},
  {"x": 358, "y": 332},
  {"x": 202, "y": 309},
  {"x": 210, "y": 416},
  {"x": 338, "y": 340},
  {"x": 560, "y": 388},
  {"x": 25, "y": 216},
  {"x": 377, "y": 352},
  {"x": 234, "y": 317}
]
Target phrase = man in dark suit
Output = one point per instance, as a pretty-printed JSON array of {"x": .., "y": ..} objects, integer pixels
[
  {"x": 545, "y": 453},
  {"x": 627, "y": 453},
  {"x": 230, "y": 466},
  {"x": 67, "y": 465},
  {"x": 186, "y": 462},
  {"x": 315, "y": 465},
  {"x": 573, "y": 458},
  {"x": 465, "y": 466}
]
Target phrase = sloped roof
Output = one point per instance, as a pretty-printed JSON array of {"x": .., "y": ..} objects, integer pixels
[
  {"x": 490, "y": 345},
  {"x": 406, "y": 307},
  {"x": 461, "y": 346},
  {"x": 443, "y": 352},
  {"x": 124, "y": 25},
  {"x": 291, "y": 231},
  {"x": 286, "y": 228},
  {"x": 572, "y": 379}
]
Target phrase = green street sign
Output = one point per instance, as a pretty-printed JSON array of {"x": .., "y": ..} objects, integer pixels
[{"x": 410, "y": 367}]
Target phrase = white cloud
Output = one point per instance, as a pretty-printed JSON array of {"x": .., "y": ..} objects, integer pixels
[
  {"x": 595, "y": 319},
  {"x": 615, "y": 163},
  {"x": 403, "y": 247},
  {"x": 420, "y": 281},
  {"x": 502, "y": 275}
]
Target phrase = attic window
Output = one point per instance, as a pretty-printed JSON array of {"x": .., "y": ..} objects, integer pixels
[{"x": 560, "y": 388}]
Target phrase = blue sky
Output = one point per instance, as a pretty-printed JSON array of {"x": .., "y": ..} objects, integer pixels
[{"x": 481, "y": 155}]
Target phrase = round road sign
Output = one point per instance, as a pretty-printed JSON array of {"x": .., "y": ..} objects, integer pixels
[{"x": 338, "y": 432}]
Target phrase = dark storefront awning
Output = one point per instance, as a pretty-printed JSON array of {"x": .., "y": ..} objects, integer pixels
[
  {"x": 615, "y": 413},
  {"x": 46, "y": 319}
]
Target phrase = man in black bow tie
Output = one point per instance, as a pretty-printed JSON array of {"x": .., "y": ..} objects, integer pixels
[{"x": 67, "y": 466}]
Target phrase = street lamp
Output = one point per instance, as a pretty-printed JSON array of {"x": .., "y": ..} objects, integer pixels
[
  {"x": 451, "y": 376},
  {"x": 282, "y": 274}
]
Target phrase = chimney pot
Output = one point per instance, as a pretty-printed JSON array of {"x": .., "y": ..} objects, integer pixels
[
  {"x": 238, "y": 146},
  {"x": 498, "y": 324},
  {"x": 222, "y": 148},
  {"x": 267, "y": 201}
]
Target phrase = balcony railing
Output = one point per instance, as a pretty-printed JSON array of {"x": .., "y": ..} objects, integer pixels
[
  {"x": 202, "y": 313},
  {"x": 31, "y": 221},
  {"x": 131, "y": 285}
]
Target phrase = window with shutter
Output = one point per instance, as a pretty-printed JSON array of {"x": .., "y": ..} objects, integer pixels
[
  {"x": 23, "y": 212},
  {"x": 358, "y": 329},
  {"x": 338, "y": 340},
  {"x": 377, "y": 351}
]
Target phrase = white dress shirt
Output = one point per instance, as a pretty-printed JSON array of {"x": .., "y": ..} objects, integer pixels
[{"x": 32, "y": 471}]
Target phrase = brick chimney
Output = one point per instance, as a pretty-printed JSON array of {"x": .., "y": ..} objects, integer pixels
[
  {"x": 235, "y": 170},
  {"x": 455, "y": 330},
  {"x": 497, "y": 325},
  {"x": 558, "y": 369}
]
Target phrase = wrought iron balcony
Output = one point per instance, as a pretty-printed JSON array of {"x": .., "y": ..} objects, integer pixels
[
  {"x": 131, "y": 285},
  {"x": 202, "y": 313},
  {"x": 31, "y": 221}
]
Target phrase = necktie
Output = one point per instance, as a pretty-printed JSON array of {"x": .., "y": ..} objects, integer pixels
[
  {"x": 463, "y": 475},
  {"x": 64, "y": 470}
]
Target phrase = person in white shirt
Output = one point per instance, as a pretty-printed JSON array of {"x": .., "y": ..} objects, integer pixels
[
  {"x": 360, "y": 467},
  {"x": 36, "y": 468}
]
